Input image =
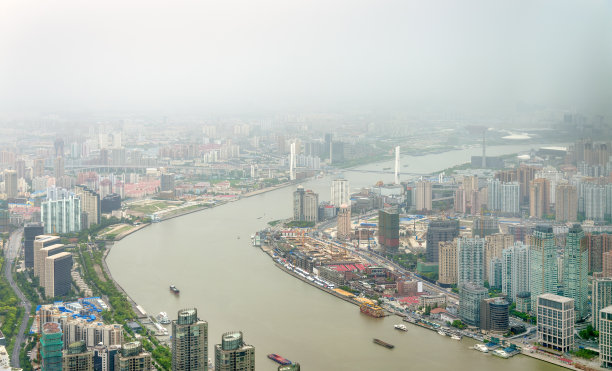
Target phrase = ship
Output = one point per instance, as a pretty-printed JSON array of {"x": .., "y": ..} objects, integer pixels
[
  {"x": 384, "y": 344},
  {"x": 174, "y": 289},
  {"x": 401, "y": 327},
  {"x": 162, "y": 318},
  {"x": 278, "y": 359},
  {"x": 456, "y": 337},
  {"x": 372, "y": 310},
  {"x": 481, "y": 348},
  {"x": 441, "y": 332}
]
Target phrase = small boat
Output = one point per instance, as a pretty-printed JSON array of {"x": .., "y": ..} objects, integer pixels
[
  {"x": 162, "y": 318},
  {"x": 456, "y": 337},
  {"x": 481, "y": 348},
  {"x": 238, "y": 237},
  {"x": 278, "y": 359},
  {"x": 441, "y": 332},
  {"x": 174, "y": 289},
  {"x": 401, "y": 327},
  {"x": 384, "y": 344}
]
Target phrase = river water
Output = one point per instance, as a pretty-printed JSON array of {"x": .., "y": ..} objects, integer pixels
[{"x": 235, "y": 286}]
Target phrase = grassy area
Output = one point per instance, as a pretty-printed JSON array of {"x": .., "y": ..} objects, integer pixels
[
  {"x": 9, "y": 312},
  {"x": 585, "y": 353},
  {"x": 150, "y": 207}
]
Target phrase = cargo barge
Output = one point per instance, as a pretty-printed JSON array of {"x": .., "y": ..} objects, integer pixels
[
  {"x": 174, "y": 289},
  {"x": 384, "y": 344}
]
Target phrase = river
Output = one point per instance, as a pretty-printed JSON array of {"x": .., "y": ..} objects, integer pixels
[{"x": 235, "y": 286}]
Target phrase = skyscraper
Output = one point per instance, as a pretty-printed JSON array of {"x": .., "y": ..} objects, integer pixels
[
  {"x": 447, "y": 263},
  {"x": 594, "y": 198},
  {"x": 555, "y": 316},
  {"x": 340, "y": 192},
  {"x": 494, "y": 314},
  {"x": 90, "y": 205},
  {"x": 470, "y": 261},
  {"x": 510, "y": 198},
  {"x": 566, "y": 203},
  {"x": 10, "y": 183},
  {"x": 601, "y": 298},
  {"x": 470, "y": 296},
  {"x": 539, "y": 198},
  {"x": 423, "y": 195},
  {"x": 298, "y": 203},
  {"x": 51, "y": 346},
  {"x": 233, "y": 354},
  {"x": 344, "y": 221},
  {"x": 78, "y": 358},
  {"x": 42, "y": 255},
  {"x": 61, "y": 214},
  {"x": 58, "y": 167},
  {"x": 605, "y": 336},
  {"x": 132, "y": 358},
  {"x": 597, "y": 244},
  {"x": 543, "y": 268},
  {"x": 575, "y": 270},
  {"x": 311, "y": 206},
  {"x": 495, "y": 273},
  {"x": 30, "y": 231},
  {"x": 388, "y": 230},
  {"x": 57, "y": 275},
  {"x": 40, "y": 242},
  {"x": 515, "y": 270},
  {"x": 438, "y": 231},
  {"x": 189, "y": 342},
  {"x": 494, "y": 245}
]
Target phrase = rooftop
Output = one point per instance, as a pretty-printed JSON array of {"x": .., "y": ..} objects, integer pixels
[{"x": 557, "y": 298}]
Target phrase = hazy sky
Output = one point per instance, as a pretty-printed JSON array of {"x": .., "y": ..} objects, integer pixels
[{"x": 268, "y": 55}]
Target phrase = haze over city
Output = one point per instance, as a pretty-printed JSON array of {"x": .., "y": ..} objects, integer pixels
[{"x": 345, "y": 185}]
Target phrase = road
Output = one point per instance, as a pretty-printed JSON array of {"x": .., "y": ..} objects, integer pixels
[{"x": 11, "y": 252}]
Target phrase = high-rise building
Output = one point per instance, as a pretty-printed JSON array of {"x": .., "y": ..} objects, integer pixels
[
  {"x": 525, "y": 174},
  {"x": 298, "y": 203},
  {"x": 515, "y": 270},
  {"x": 40, "y": 242},
  {"x": 51, "y": 346},
  {"x": 601, "y": 298},
  {"x": 607, "y": 264},
  {"x": 39, "y": 168},
  {"x": 438, "y": 231},
  {"x": 133, "y": 358},
  {"x": 494, "y": 194},
  {"x": 485, "y": 226},
  {"x": 42, "y": 255},
  {"x": 189, "y": 342},
  {"x": 594, "y": 198},
  {"x": 495, "y": 273},
  {"x": 78, "y": 358},
  {"x": 58, "y": 167},
  {"x": 10, "y": 183},
  {"x": 167, "y": 182},
  {"x": 605, "y": 336},
  {"x": 566, "y": 203},
  {"x": 575, "y": 270},
  {"x": 340, "y": 192},
  {"x": 30, "y": 231},
  {"x": 447, "y": 263},
  {"x": 388, "y": 230},
  {"x": 510, "y": 198},
  {"x": 233, "y": 354},
  {"x": 57, "y": 275},
  {"x": 344, "y": 222},
  {"x": 494, "y": 245},
  {"x": 470, "y": 261},
  {"x": 543, "y": 277},
  {"x": 470, "y": 296},
  {"x": 494, "y": 314},
  {"x": 311, "y": 206},
  {"x": 423, "y": 195},
  {"x": 597, "y": 244},
  {"x": 90, "y": 205},
  {"x": 104, "y": 357},
  {"x": 539, "y": 198},
  {"x": 460, "y": 200},
  {"x": 61, "y": 215},
  {"x": 555, "y": 317}
]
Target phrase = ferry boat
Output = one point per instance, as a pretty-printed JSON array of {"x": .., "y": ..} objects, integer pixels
[
  {"x": 278, "y": 359},
  {"x": 441, "y": 332},
  {"x": 401, "y": 327},
  {"x": 456, "y": 337},
  {"x": 384, "y": 344},
  {"x": 481, "y": 348},
  {"x": 174, "y": 289},
  {"x": 162, "y": 318}
]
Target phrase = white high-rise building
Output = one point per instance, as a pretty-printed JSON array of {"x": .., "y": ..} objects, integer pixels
[
  {"x": 423, "y": 195},
  {"x": 594, "y": 201},
  {"x": 340, "y": 192},
  {"x": 470, "y": 261},
  {"x": 510, "y": 196},
  {"x": 605, "y": 336},
  {"x": 61, "y": 213},
  {"x": 515, "y": 270},
  {"x": 555, "y": 322}
]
